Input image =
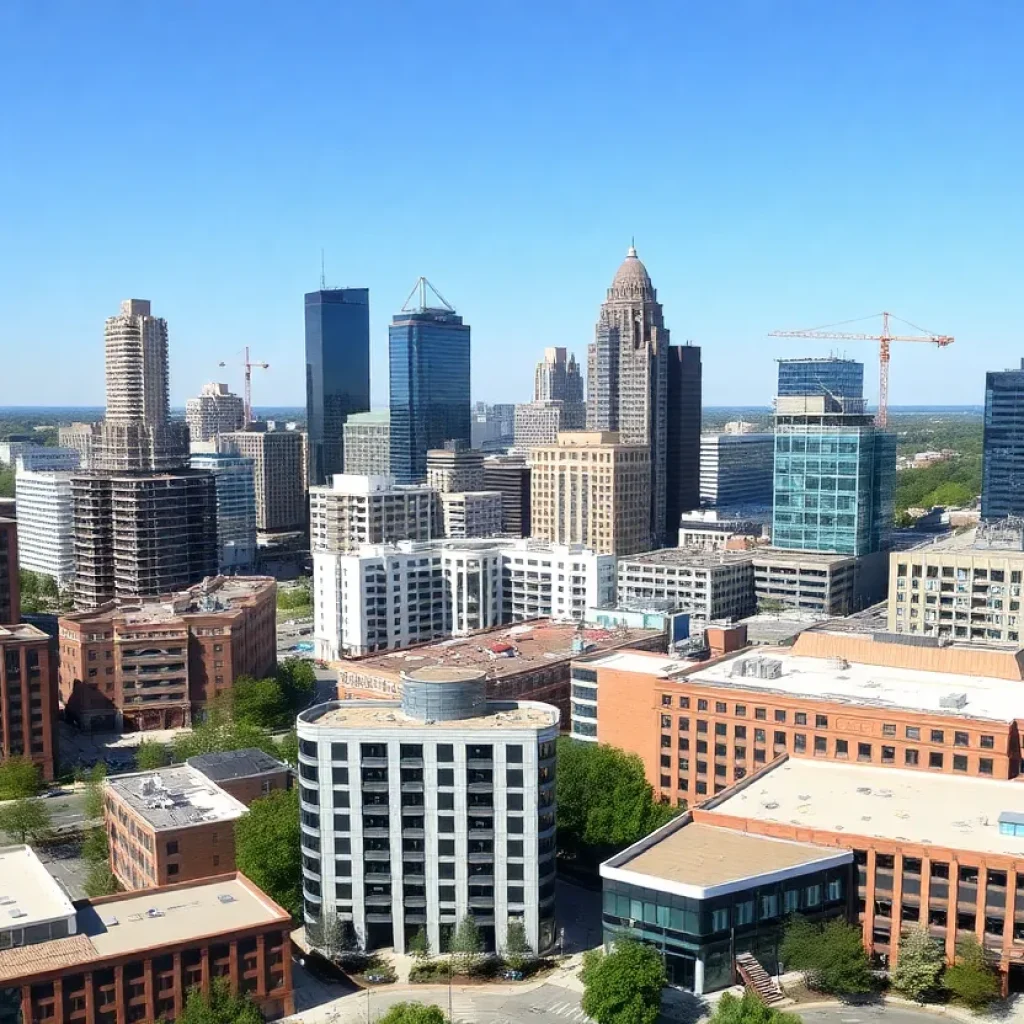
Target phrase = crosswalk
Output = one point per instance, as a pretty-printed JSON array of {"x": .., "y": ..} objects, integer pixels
[{"x": 568, "y": 1011}]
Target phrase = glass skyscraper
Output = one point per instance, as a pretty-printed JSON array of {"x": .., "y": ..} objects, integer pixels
[
  {"x": 835, "y": 470},
  {"x": 843, "y": 378},
  {"x": 337, "y": 372},
  {"x": 1002, "y": 491},
  {"x": 429, "y": 362}
]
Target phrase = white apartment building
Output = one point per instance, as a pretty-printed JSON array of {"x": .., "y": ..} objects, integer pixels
[
  {"x": 389, "y": 596},
  {"x": 213, "y": 412},
  {"x": 356, "y": 510},
  {"x": 472, "y": 514},
  {"x": 415, "y": 813},
  {"x": 45, "y": 523}
]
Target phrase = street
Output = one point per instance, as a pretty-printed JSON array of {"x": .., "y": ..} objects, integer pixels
[{"x": 869, "y": 1014}]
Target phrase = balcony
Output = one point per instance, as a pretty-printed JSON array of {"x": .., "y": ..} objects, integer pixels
[{"x": 374, "y": 762}]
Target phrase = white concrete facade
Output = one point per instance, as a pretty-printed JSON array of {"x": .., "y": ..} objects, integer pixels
[
  {"x": 46, "y": 524},
  {"x": 471, "y": 513}
]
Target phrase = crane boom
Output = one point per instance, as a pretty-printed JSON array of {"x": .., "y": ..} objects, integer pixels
[
  {"x": 249, "y": 366},
  {"x": 884, "y": 340}
]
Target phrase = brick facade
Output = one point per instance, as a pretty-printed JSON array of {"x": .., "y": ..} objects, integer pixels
[{"x": 28, "y": 697}]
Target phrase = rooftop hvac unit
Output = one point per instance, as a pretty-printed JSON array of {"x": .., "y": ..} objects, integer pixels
[
  {"x": 955, "y": 701},
  {"x": 758, "y": 667},
  {"x": 838, "y": 664}
]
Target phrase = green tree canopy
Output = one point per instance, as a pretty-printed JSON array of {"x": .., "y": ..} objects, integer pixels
[
  {"x": 419, "y": 944},
  {"x": 19, "y": 777},
  {"x": 623, "y": 986},
  {"x": 517, "y": 947},
  {"x": 96, "y": 847},
  {"x": 26, "y": 820},
  {"x": 94, "y": 791},
  {"x": 218, "y": 1006},
  {"x": 919, "y": 965},
  {"x": 150, "y": 755},
  {"x": 268, "y": 848},
  {"x": 749, "y": 1009},
  {"x": 298, "y": 682},
  {"x": 465, "y": 945},
  {"x": 413, "y": 1013},
  {"x": 259, "y": 702},
  {"x": 605, "y": 803},
  {"x": 100, "y": 881},
  {"x": 831, "y": 955},
  {"x": 971, "y": 980}
]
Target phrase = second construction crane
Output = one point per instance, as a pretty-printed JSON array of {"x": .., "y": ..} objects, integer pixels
[
  {"x": 884, "y": 341},
  {"x": 249, "y": 367}
]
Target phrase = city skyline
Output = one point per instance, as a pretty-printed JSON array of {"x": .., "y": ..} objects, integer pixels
[{"x": 761, "y": 212}]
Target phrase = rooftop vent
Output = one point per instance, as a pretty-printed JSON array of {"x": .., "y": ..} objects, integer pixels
[
  {"x": 226, "y": 897},
  {"x": 838, "y": 664},
  {"x": 109, "y": 920},
  {"x": 953, "y": 700},
  {"x": 17, "y": 912}
]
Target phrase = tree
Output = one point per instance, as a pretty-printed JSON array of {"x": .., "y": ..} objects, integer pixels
[
  {"x": 334, "y": 936},
  {"x": 19, "y": 777},
  {"x": 419, "y": 945},
  {"x": 919, "y": 966},
  {"x": 150, "y": 755},
  {"x": 258, "y": 702},
  {"x": 831, "y": 955},
  {"x": 288, "y": 748},
  {"x": 413, "y": 1013},
  {"x": 100, "y": 880},
  {"x": 466, "y": 945},
  {"x": 25, "y": 820},
  {"x": 605, "y": 802},
  {"x": 94, "y": 791},
  {"x": 217, "y": 734},
  {"x": 749, "y": 1009},
  {"x": 298, "y": 682},
  {"x": 96, "y": 848},
  {"x": 517, "y": 947},
  {"x": 623, "y": 986},
  {"x": 218, "y": 1006},
  {"x": 268, "y": 848},
  {"x": 971, "y": 980}
]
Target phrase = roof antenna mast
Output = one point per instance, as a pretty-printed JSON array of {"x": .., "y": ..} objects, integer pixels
[{"x": 323, "y": 276}]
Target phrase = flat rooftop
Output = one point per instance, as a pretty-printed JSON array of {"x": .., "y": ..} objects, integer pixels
[
  {"x": 521, "y": 648},
  {"x": 873, "y": 686},
  {"x": 359, "y": 714},
  {"x": 175, "y": 797},
  {"x": 235, "y": 764},
  {"x": 699, "y": 557},
  {"x": 151, "y": 919},
  {"x": 21, "y": 631},
  {"x": 29, "y": 894},
  {"x": 784, "y": 556},
  {"x": 948, "y": 811},
  {"x": 701, "y": 860},
  {"x": 770, "y": 629},
  {"x": 642, "y": 662}
]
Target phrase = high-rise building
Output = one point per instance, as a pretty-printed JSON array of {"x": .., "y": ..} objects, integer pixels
[
  {"x": 591, "y": 489},
  {"x": 278, "y": 458},
  {"x": 234, "y": 479},
  {"x": 1002, "y": 489},
  {"x": 215, "y": 411},
  {"x": 835, "y": 473},
  {"x": 627, "y": 377},
  {"x": 10, "y": 591},
  {"x": 356, "y": 510},
  {"x": 540, "y": 422},
  {"x": 337, "y": 373},
  {"x": 46, "y": 523},
  {"x": 682, "y": 455},
  {"x": 139, "y": 535},
  {"x": 428, "y": 766},
  {"x": 511, "y": 476},
  {"x": 736, "y": 470},
  {"x": 455, "y": 468},
  {"x": 28, "y": 682},
  {"x": 429, "y": 350},
  {"x": 558, "y": 379},
  {"x": 840, "y": 378},
  {"x": 81, "y": 437},
  {"x": 368, "y": 444}
]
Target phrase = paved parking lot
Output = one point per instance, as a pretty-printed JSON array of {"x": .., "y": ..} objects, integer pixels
[{"x": 65, "y": 863}]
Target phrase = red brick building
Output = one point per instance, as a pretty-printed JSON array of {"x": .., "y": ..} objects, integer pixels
[
  {"x": 28, "y": 696},
  {"x": 152, "y": 666},
  {"x": 10, "y": 604},
  {"x": 136, "y": 956}
]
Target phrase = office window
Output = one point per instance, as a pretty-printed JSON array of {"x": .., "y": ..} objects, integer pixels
[
  {"x": 702, "y": 705},
  {"x": 888, "y": 755},
  {"x": 684, "y": 724},
  {"x": 814, "y": 895},
  {"x": 720, "y": 708},
  {"x": 821, "y": 721},
  {"x": 799, "y": 741},
  {"x": 780, "y": 739},
  {"x": 740, "y": 732},
  {"x": 863, "y": 751},
  {"x": 913, "y": 732},
  {"x": 910, "y": 756},
  {"x": 761, "y": 714},
  {"x": 684, "y": 702},
  {"x": 961, "y": 739},
  {"x": 721, "y": 729},
  {"x": 800, "y": 718},
  {"x": 889, "y": 730},
  {"x": 780, "y": 716},
  {"x": 820, "y": 745},
  {"x": 959, "y": 762},
  {"x": 741, "y": 710},
  {"x": 938, "y": 736},
  {"x": 984, "y": 765},
  {"x": 720, "y": 919},
  {"x": 988, "y": 742},
  {"x": 935, "y": 760},
  {"x": 842, "y": 748}
]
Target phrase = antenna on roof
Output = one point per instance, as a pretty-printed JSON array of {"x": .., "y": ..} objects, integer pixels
[
  {"x": 323, "y": 275},
  {"x": 421, "y": 286}
]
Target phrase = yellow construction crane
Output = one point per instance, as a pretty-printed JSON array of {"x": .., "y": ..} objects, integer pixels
[{"x": 884, "y": 340}]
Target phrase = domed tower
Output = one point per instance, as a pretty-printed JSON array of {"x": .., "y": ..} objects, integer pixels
[{"x": 627, "y": 373}]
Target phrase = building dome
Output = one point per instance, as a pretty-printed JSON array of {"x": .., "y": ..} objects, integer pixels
[{"x": 631, "y": 279}]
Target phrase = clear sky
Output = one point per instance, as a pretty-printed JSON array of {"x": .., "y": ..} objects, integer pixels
[{"x": 781, "y": 164}]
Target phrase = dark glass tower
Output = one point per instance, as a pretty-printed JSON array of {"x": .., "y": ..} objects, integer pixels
[
  {"x": 1002, "y": 489},
  {"x": 841, "y": 378},
  {"x": 682, "y": 457},
  {"x": 429, "y": 362},
  {"x": 337, "y": 372}
]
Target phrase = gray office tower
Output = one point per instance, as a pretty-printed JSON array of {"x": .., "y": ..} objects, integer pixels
[
  {"x": 429, "y": 349},
  {"x": 682, "y": 459},
  {"x": 627, "y": 371},
  {"x": 1002, "y": 489},
  {"x": 337, "y": 373}
]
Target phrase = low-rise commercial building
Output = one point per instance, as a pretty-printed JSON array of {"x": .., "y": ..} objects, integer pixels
[
  {"x": 153, "y": 665},
  {"x": 167, "y": 826},
  {"x": 471, "y": 513},
  {"x": 388, "y": 596},
  {"x": 530, "y": 661},
  {"x": 136, "y": 956},
  {"x": 708, "y": 584},
  {"x": 419, "y": 811},
  {"x": 710, "y": 530},
  {"x": 245, "y": 774},
  {"x": 29, "y": 708},
  {"x": 698, "y": 727},
  {"x": 817, "y": 582}
]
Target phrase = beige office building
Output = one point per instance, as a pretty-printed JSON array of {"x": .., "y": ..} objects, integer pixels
[
  {"x": 279, "y": 470},
  {"x": 589, "y": 489}
]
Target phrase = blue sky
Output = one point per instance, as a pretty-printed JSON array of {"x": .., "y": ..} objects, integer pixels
[{"x": 781, "y": 164}]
